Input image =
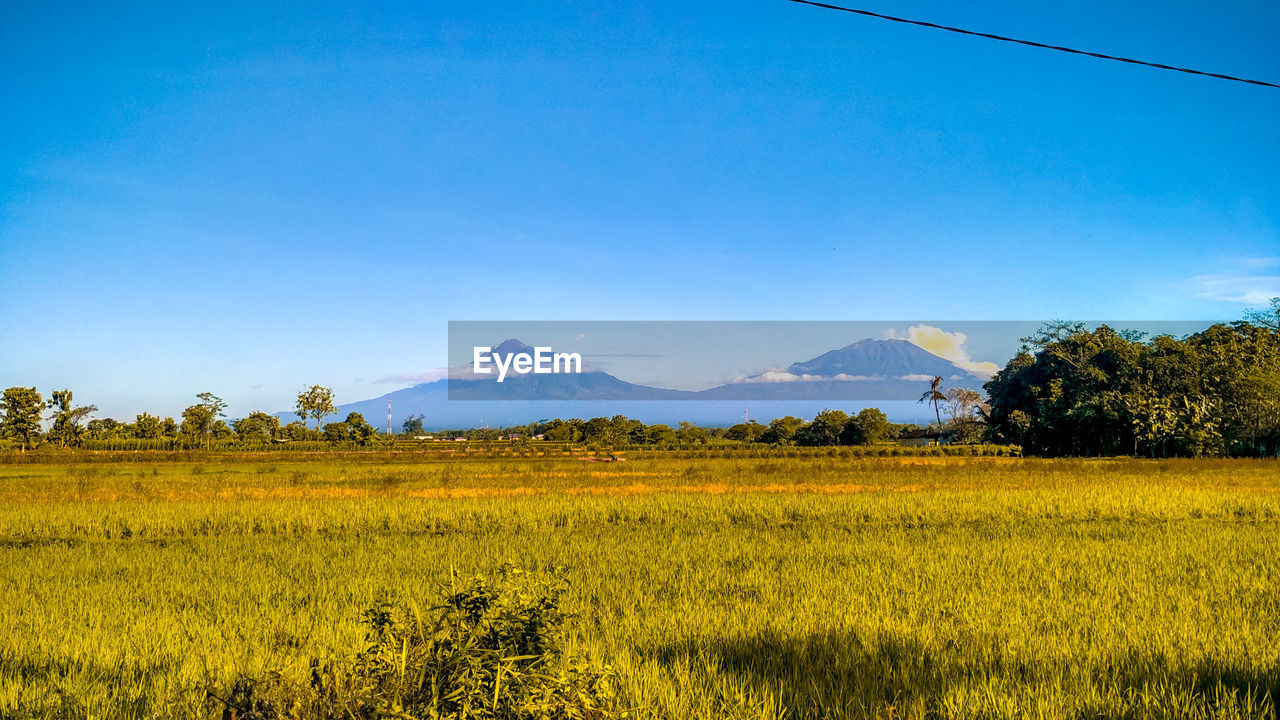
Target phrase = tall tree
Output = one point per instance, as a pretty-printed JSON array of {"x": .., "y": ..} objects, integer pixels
[
  {"x": 1103, "y": 392},
  {"x": 66, "y": 419},
  {"x": 257, "y": 427},
  {"x": 782, "y": 431},
  {"x": 746, "y": 432},
  {"x": 1240, "y": 365},
  {"x": 361, "y": 432},
  {"x": 21, "y": 421},
  {"x": 965, "y": 410},
  {"x": 201, "y": 421},
  {"x": 1073, "y": 393},
  {"x": 147, "y": 427},
  {"x": 106, "y": 429},
  {"x": 690, "y": 434},
  {"x": 826, "y": 429},
  {"x": 662, "y": 435},
  {"x": 197, "y": 424},
  {"x": 337, "y": 433},
  {"x": 935, "y": 397},
  {"x": 1266, "y": 317},
  {"x": 315, "y": 402},
  {"x": 169, "y": 428},
  {"x": 872, "y": 426},
  {"x": 213, "y": 402},
  {"x": 412, "y": 425}
]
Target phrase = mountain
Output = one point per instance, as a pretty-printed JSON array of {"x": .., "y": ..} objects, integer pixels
[
  {"x": 588, "y": 385},
  {"x": 877, "y": 359},
  {"x": 466, "y": 385},
  {"x": 867, "y": 370},
  {"x": 884, "y": 373}
]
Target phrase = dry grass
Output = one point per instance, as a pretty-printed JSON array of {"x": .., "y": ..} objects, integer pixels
[{"x": 810, "y": 587}]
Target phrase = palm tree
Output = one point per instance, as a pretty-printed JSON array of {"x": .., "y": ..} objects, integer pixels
[{"x": 935, "y": 397}]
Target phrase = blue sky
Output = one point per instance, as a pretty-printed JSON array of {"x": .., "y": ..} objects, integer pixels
[{"x": 248, "y": 198}]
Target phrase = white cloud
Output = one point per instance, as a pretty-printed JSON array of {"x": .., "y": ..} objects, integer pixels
[
  {"x": 1260, "y": 262},
  {"x": 773, "y": 376},
  {"x": 425, "y": 376},
  {"x": 949, "y": 346},
  {"x": 782, "y": 376},
  {"x": 916, "y": 377},
  {"x": 1243, "y": 285}
]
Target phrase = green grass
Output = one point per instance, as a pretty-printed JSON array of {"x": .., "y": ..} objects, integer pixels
[{"x": 805, "y": 587}]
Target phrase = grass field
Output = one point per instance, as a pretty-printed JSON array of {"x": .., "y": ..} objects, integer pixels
[{"x": 745, "y": 588}]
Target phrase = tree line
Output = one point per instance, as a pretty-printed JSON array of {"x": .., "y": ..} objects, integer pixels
[
  {"x": 203, "y": 423},
  {"x": 1075, "y": 391},
  {"x": 829, "y": 427},
  {"x": 22, "y": 420},
  {"x": 1069, "y": 391}
]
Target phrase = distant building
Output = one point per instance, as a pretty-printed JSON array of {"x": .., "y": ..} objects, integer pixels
[{"x": 920, "y": 438}]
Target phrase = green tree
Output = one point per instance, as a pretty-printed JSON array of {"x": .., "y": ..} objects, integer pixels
[
  {"x": 147, "y": 427},
  {"x": 934, "y": 396},
  {"x": 660, "y": 435},
  {"x": 221, "y": 430},
  {"x": 21, "y": 408},
  {"x": 826, "y": 429},
  {"x": 201, "y": 422},
  {"x": 690, "y": 434},
  {"x": 598, "y": 430},
  {"x": 852, "y": 434},
  {"x": 337, "y": 433},
  {"x": 1265, "y": 317},
  {"x": 412, "y": 425},
  {"x": 297, "y": 432},
  {"x": 106, "y": 429},
  {"x": 359, "y": 431},
  {"x": 169, "y": 428},
  {"x": 564, "y": 431},
  {"x": 66, "y": 419},
  {"x": 315, "y": 402},
  {"x": 746, "y": 432},
  {"x": 257, "y": 427},
  {"x": 1074, "y": 392},
  {"x": 1154, "y": 420},
  {"x": 1240, "y": 365},
  {"x": 614, "y": 431},
  {"x": 965, "y": 413},
  {"x": 1199, "y": 428},
  {"x": 874, "y": 425},
  {"x": 197, "y": 424},
  {"x": 485, "y": 434},
  {"x": 628, "y": 431},
  {"x": 213, "y": 402},
  {"x": 782, "y": 431}
]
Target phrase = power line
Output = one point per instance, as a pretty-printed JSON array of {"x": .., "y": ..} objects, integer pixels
[{"x": 1059, "y": 48}]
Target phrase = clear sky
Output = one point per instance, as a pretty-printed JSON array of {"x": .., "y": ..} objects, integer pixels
[{"x": 247, "y": 197}]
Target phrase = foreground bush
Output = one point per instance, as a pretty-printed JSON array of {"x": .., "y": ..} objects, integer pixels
[{"x": 488, "y": 652}]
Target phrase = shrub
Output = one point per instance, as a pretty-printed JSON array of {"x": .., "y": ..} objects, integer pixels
[{"x": 487, "y": 652}]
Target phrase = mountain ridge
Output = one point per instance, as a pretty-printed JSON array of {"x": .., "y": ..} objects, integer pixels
[{"x": 864, "y": 371}]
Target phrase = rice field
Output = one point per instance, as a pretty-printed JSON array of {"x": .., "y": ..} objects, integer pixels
[{"x": 799, "y": 587}]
